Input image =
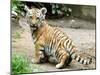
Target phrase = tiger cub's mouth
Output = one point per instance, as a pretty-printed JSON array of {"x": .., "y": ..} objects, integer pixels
[{"x": 34, "y": 26}]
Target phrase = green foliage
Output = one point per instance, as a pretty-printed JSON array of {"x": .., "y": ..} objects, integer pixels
[
  {"x": 53, "y": 9},
  {"x": 17, "y": 6},
  {"x": 61, "y": 9},
  {"x": 20, "y": 64}
]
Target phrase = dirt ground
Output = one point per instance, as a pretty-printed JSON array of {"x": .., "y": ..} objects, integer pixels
[{"x": 82, "y": 37}]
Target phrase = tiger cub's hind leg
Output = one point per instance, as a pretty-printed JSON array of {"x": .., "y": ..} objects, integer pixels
[{"x": 63, "y": 57}]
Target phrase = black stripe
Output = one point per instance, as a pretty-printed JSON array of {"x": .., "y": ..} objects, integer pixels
[
  {"x": 90, "y": 61},
  {"x": 53, "y": 43},
  {"x": 61, "y": 56},
  {"x": 57, "y": 52},
  {"x": 79, "y": 59},
  {"x": 70, "y": 44},
  {"x": 82, "y": 61}
]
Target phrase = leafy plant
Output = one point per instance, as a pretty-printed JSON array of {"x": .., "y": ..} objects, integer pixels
[
  {"x": 17, "y": 6},
  {"x": 20, "y": 64},
  {"x": 61, "y": 9},
  {"x": 54, "y": 9}
]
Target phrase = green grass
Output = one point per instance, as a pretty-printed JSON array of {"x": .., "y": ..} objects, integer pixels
[{"x": 21, "y": 64}]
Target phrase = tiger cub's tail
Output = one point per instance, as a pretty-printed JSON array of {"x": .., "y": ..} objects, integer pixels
[{"x": 80, "y": 59}]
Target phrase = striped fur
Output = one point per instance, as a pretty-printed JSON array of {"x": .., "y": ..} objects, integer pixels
[{"x": 54, "y": 44}]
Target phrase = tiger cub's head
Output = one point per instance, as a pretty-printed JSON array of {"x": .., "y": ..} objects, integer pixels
[{"x": 35, "y": 16}]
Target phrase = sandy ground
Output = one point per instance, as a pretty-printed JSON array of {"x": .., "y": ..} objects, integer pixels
[{"x": 83, "y": 38}]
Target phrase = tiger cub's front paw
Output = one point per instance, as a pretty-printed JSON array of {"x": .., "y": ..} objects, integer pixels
[{"x": 59, "y": 66}]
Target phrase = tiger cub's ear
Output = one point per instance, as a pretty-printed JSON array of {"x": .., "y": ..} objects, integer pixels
[{"x": 43, "y": 10}]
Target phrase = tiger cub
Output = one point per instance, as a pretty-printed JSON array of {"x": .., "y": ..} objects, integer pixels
[{"x": 50, "y": 42}]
